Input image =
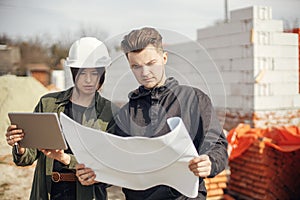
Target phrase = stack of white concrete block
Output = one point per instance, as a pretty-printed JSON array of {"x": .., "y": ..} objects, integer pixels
[
  {"x": 191, "y": 64},
  {"x": 257, "y": 60}
]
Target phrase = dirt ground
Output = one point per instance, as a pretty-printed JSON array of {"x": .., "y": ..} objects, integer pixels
[{"x": 15, "y": 182}]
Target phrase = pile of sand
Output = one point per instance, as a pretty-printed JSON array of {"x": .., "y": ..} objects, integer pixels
[{"x": 18, "y": 94}]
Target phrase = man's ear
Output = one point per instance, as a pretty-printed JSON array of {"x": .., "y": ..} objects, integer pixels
[{"x": 165, "y": 57}]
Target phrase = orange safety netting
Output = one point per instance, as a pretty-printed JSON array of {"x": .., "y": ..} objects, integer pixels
[{"x": 285, "y": 139}]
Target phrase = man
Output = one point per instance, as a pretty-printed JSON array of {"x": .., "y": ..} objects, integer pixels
[{"x": 159, "y": 98}]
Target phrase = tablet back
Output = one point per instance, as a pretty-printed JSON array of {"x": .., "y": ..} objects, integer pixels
[{"x": 42, "y": 130}]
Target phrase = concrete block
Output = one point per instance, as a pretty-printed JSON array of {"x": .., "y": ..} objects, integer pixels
[
  {"x": 254, "y": 12},
  {"x": 248, "y": 102},
  {"x": 260, "y": 32},
  {"x": 274, "y": 38},
  {"x": 242, "y": 51},
  {"x": 211, "y": 77},
  {"x": 242, "y": 89},
  {"x": 223, "y": 64},
  {"x": 243, "y": 38},
  {"x": 265, "y": 25},
  {"x": 208, "y": 66},
  {"x": 275, "y": 63},
  {"x": 216, "y": 89},
  {"x": 263, "y": 63},
  {"x": 286, "y": 39},
  {"x": 186, "y": 53},
  {"x": 240, "y": 27},
  {"x": 219, "y": 101},
  {"x": 196, "y": 73},
  {"x": 296, "y": 101},
  {"x": 262, "y": 89},
  {"x": 243, "y": 64},
  {"x": 257, "y": 64},
  {"x": 238, "y": 102},
  {"x": 273, "y": 102},
  {"x": 272, "y": 76},
  {"x": 224, "y": 29},
  {"x": 183, "y": 48},
  {"x": 279, "y": 51},
  {"x": 284, "y": 88},
  {"x": 275, "y": 89},
  {"x": 237, "y": 77},
  {"x": 280, "y": 63}
]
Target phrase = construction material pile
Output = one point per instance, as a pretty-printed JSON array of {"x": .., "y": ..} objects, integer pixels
[
  {"x": 18, "y": 94},
  {"x": 264, "y": 163},
  {"x": 215, "y": 186}
]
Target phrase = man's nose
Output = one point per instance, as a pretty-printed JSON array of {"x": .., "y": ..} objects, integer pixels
[{"x": 145, "y": 70}]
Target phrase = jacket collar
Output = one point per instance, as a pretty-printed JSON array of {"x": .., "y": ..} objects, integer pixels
[
  {"x": 156, "y": 92},
  {"x": 65, "y": 96}
]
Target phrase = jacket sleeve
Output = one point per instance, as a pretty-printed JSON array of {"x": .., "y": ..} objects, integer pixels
[
  {"x": 214, "y": 142},
  {"x": 27, "y": 158}
]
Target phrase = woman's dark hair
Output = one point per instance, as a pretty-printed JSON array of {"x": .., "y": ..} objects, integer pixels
[{"x": 100, "y": 70}]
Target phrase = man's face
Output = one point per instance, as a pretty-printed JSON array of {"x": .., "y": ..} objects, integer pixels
[{"x": 148, "y": 66}]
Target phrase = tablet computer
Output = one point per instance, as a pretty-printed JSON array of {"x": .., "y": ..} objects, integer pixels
[{"x": 42, "y": 130}]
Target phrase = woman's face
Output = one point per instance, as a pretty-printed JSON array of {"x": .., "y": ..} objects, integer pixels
[{"x": 87, "y": 81}]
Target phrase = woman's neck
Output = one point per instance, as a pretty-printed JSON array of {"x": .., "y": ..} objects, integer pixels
[{"x": 81, "y": 99}]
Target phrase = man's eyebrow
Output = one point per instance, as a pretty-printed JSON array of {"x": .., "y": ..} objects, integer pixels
[{"x": 151, "y": 61}]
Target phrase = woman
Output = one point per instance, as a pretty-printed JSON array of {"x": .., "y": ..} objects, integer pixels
[{"x": 54, "y": 176}]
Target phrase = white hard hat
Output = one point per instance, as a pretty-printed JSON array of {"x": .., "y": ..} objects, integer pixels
[{"x": 88, "y": 52}]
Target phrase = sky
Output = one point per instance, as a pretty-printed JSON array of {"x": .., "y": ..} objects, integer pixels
[{"x": 58, "y": 19}]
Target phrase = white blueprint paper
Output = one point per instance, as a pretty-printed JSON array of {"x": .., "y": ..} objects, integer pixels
[{"x": 136, "y": 162}]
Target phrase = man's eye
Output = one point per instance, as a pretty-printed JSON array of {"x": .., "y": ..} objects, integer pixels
[{"x": 135, "y": 66}]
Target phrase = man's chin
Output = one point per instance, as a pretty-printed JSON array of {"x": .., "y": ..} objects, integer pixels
[
  {"x": 149, "y": 88},
  {"x": 149, "y": 85}
]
